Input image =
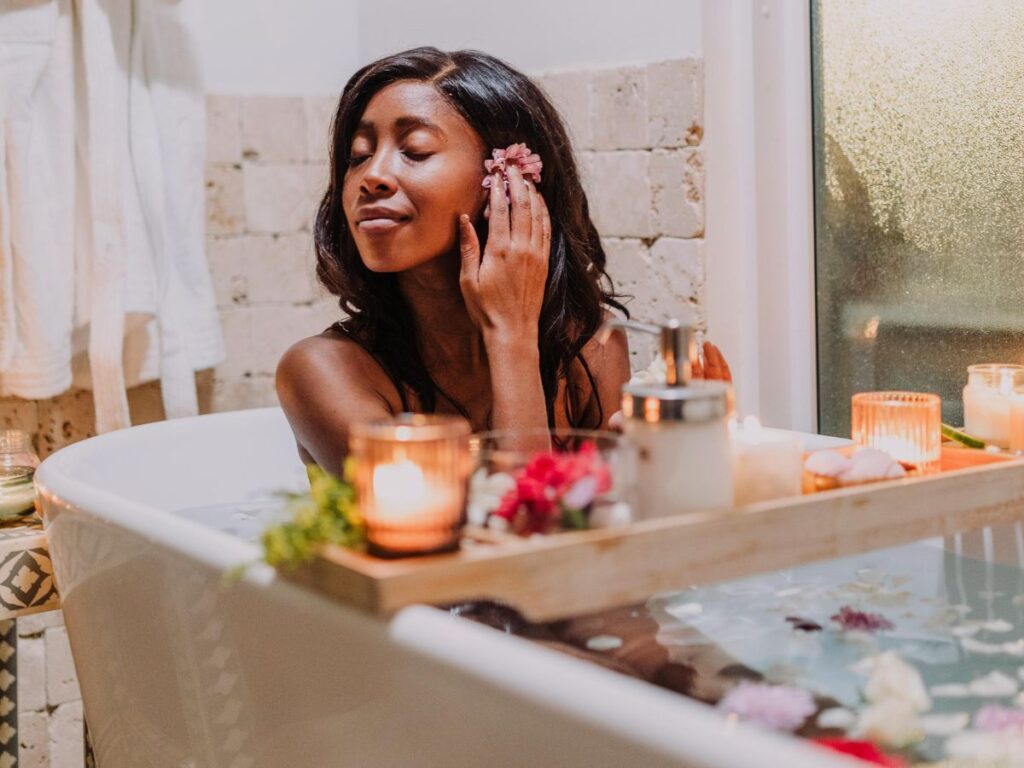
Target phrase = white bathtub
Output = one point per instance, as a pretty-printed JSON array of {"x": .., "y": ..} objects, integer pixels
[{"x": 179, "y": 669}]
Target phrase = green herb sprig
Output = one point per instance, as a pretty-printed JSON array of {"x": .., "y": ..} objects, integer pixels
[{"x": 328, "y": 514}]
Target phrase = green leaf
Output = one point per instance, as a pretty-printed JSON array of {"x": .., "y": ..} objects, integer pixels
[
  {"x": 958, "y": 436},
  {"x": 573, "y": 519},
  {"x": 328, "y": 514}
]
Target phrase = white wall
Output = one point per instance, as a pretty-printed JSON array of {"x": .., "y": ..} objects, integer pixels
[
  {"x": 278, "y": 47},
  {"x": 303, "y": 47},
  {"x": 536, "y": 35}
]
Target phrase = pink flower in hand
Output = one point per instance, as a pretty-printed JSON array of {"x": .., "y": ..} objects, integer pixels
[{"x": 518, "y": 155}]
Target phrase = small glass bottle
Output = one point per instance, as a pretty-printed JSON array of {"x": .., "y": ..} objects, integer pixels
[{"x": 18, "y": 462}]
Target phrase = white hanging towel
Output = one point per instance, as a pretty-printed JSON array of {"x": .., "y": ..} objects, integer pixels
[{"x": 143, "y": 304}]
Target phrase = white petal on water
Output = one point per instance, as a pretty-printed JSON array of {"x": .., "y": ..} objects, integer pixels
[
  {"x": 993, "y": 685},
  {"x": 685, "y": 610},
  {"x": 983, "y": 748},
  {"x": 965, "y": 630},
  {"x": 985, "y": 594},
  {"x": 949, "y": 691},
  {"x": 604, "y": 643},
  {"x": 945, "y": 725},
  {"x": 997, "y": 625},
  {"x": 1013, "y": 648},
  {"x": 837, "y": 717},
  {"x": 789, "y": 592},
  {"x": 871, "y": 575}
]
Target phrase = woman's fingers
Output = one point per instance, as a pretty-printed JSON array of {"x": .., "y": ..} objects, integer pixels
[
  {"x": 498, "y": 224},
  {"x": 469, "y": 274},
  {"x": 726, "y": 371},
  {"x": 715, "y": 366},
  {"x": 469, "y": 249},
  {"x": 522, "y": 209},
  {"x": 540, "y": 240}
]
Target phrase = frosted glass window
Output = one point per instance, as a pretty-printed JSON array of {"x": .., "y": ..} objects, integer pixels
[{"x": 919, "y": 195}]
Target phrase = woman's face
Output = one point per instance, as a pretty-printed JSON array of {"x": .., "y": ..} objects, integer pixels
[{"x": 415, "y": 166}]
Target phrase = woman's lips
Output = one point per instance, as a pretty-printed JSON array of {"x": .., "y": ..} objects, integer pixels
[{"x": 380, "y": 226}]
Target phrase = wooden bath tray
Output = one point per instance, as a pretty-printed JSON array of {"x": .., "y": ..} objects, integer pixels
[{"x": 582, "y": 571}]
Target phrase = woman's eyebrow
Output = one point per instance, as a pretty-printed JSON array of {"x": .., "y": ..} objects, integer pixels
[{"x": 411, "y": 123}]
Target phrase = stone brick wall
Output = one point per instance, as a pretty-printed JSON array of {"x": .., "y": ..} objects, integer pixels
[{"x": 637, "y": 132}]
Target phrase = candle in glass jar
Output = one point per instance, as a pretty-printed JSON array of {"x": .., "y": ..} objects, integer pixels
[
  {"x": 990, "y": 392},
  {"x": 401, "y": 491},
  {"x": 768, "y": 463},
  {"x": 905, "y": 425},
  {"x": 411, "y": 478},
  {"x": 17, "y": 492}
]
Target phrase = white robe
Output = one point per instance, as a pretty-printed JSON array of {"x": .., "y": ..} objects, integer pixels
[{"x": 104, "y": 280}]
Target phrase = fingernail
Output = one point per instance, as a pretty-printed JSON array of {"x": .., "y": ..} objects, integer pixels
[{"x": 464, "y": 218}]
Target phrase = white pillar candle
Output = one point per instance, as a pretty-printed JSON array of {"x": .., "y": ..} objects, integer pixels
[{"x": 768, "y": 463}]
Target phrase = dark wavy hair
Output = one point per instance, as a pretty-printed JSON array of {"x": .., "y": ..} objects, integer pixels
[{"x": 503, "y": 106}]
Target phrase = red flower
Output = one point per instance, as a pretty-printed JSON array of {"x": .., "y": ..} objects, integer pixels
[
  {"x": 551, "y": 484},
  {"x": 862, "y": 750}
]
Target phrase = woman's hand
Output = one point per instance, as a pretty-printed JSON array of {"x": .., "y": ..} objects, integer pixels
[
  {"x": 504, "y": 289},
  {"x": 714, "y": 366}
]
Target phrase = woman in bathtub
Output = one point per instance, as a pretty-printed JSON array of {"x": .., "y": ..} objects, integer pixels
[{"x": 467, "y": 291}]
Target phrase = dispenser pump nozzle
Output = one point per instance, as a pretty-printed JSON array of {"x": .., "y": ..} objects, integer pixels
[{"x": 677, "y": 345}]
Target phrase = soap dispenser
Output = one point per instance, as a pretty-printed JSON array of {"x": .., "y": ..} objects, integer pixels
[{"x": 680, "y": 428}]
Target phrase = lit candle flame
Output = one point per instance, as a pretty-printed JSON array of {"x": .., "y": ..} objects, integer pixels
[{"x": 398, "y": 488}]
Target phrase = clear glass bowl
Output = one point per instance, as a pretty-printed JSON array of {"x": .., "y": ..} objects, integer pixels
[
  {"x": 18, "y": 462},
  {"x": 542, "y": 481}
]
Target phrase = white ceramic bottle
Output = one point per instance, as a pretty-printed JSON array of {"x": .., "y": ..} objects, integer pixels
[{"x": 680, "y": 429}]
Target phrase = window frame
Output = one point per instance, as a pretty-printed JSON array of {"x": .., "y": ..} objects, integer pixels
[{"x": 759, "y": 197}]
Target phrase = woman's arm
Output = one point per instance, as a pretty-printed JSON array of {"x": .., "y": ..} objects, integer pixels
[
  {"x": 504, "y": 290},
  {"x": 324, "y": 384},
  {"x": 608, "y": 363}
]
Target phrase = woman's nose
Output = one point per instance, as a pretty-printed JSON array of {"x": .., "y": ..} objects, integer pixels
[{"x": 379, "y": 177}]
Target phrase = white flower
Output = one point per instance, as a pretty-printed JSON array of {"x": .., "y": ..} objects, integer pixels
[
  {"x": 870, "y": 464},
  {"x": 656, "y": 373},
  {"x": 485, "y": 493},
  {"x": 996, "y": 749},
  {"x": 892, "y": 679},
  {"x": 827, "y": 463},
  {"x": 892, "y": 722}
]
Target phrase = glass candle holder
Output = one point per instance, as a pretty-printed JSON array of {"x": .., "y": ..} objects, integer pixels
[
  {"x": 18, "y": 462},
  {"x": 411, "y": 475},
  {"x": 992, "y": 398},
  {"x": 906, "y": 425}
]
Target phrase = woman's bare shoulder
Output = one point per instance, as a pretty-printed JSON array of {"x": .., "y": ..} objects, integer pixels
[
  {"x": 324, "y": 384},
  {"x": 331, "y": 356}
]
